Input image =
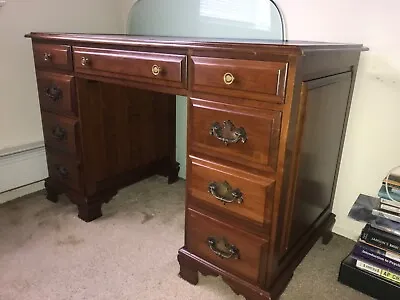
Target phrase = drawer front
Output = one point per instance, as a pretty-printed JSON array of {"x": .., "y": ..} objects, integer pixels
[
  {"x": 231, "y": 191},
  {"x": 224, "y": 245},
  {"x": 64, "y": 169},
  {"x": 242, "y": 135},
  {"x": 56, "y": 93},
  {"x": 52, "y": 56},
  {"x": 148, "y": 67},
  {"x": 60, "y": 132},
  {"x": 241, "y": 78}
]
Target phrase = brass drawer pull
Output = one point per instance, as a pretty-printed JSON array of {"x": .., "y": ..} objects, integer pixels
[
  {"x": 59, "y": 133},
  {"x": 228, "y": 251},
  {"x": 225, "y": 193},
  {"x": 54, "y": 93},
  {"x": 228, "y": 133},
  {"x": 228, "y": 78},
  {"x": 62, "y": 171},
  {"x": 85, "y": 61},
  {"x": 47, "y": 57},
  {"x": 156, "y": 70}
]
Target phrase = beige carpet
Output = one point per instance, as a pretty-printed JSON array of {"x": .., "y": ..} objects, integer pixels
[{"x": 46, "y": 252}]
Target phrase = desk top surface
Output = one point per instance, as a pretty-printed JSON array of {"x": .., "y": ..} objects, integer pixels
[{"x": 187, "y": 42}]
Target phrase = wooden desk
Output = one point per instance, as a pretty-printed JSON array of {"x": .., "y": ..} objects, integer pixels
[{"x": 266, "y": 124}]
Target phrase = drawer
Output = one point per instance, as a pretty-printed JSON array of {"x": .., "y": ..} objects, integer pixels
[
  {"x": 56, "y": 93},
  {"x": 52, "y": 56},
  {"x": 260, "y": 80},
  {"x": 155, "y": 68},
  {"x": 231, "y": 191},
  {"x": 60, "y": 132},
  {"x": 64, "y": 169},
  {"x": 242, "y": 135},
  {"x": 224, "y": 245}
]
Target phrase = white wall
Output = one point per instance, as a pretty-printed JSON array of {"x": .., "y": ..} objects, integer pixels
[
  {"x": 371, "y": 145},
  {"x": 20, "y": 123}
]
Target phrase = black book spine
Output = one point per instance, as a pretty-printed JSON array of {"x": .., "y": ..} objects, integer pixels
[{"x": 381, "y": 239}]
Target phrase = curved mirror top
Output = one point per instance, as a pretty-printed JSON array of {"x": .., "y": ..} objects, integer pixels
[{"x": 227, "y": 19}]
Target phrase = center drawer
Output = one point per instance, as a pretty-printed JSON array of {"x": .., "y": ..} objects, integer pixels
[
  {"x": 225, "y": 245},
  {"x": 239, "y": 134},
  {"x": 155, "y": 68}
]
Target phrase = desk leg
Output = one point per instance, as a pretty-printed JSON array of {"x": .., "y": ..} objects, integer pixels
[
  {"x": 51, "y": 192},
  {"x": 173, "y": 173},
  {"x": 90, "y": 211}
]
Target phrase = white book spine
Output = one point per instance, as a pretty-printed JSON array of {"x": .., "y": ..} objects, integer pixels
[
  {"x": 390, "y": 208},
  {"x": 390, "y": 202},
  {"x": 387, "y": 215}
]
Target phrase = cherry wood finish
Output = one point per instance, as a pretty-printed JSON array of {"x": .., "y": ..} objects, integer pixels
[
  {"x": 251, "y": 79},
  {"x": 266, "y": 125},
  {"x": 158, "y": 68},
  {"x": 52, "y": 56},
  {"x": 57, "y": 93},
  {"x": 257, "y": 191},
  {"x": 60, "y": 132},
  {"x": 262, "y": 128}
]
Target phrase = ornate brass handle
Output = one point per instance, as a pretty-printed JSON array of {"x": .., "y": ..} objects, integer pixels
[
  {"x": 156, "y": 70},
  {"x": 229, "y": 78},
  {"x": 225, "y": 193},
  {"x": 59, "y": 133},
  {"x": 62, "y": 171},
  {"x": 54, "y": 93},
  {"x": 47, "y": 57},
  {"x": 228, "y": 133},
  {"x": 228, "y": 251},
  {"x": 85, "y": 61}
]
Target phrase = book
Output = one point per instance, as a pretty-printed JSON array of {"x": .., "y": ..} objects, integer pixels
[
  {"x": 377, "y": 270},
  {"x": 366, "y": 282},
  {"x": 390, "y": 202},
  {"x": 383, "y": 194},
  {"x": 386, "y": 214},
  {"x": 386, "y": 228},
  {"x": 380, "y": 239},
  {"x": 377, "y": 255},
  {"x": 393, "y": 181},
  {"x": 389, "y": 208}
]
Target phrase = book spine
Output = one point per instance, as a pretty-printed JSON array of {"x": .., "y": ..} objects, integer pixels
[
  {"x": 387, "y": 215},
  {"x": 383, "y": 194},
  {"x": 380, "y": 239},
  {"x": 390, "y": 208},
  {"x": 386, "y": 229},
  {"x": 377, "y": 256},
  {"x": 378, "y": 271},
  {"x": 390, "y": 202}
]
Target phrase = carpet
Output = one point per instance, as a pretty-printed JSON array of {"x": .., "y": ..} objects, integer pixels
[{"x": 46, "y": 252}]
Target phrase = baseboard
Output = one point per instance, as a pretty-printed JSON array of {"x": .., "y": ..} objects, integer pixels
[
  {"x": 20, "y": 167},
  {"x": 350, "y": 233},
  {"x": 22, "y": 191}
]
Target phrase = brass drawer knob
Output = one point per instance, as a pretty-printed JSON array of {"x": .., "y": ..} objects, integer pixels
[
  {"x": 156, "y": 70},
  {"x": 225, "y": 193},
  {"x": 228, "y": 133},
  {"x": 59, "y": 133},
  {"x": 85, "y": 61},
  {"x": 47, "y": 57},
  {"x": 222, "y": 248},
  {"x": 229, "y": 78}
]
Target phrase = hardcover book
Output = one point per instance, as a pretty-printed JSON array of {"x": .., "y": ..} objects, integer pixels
[
  {"x": 377, "y": 255},
  {"x": 380, "y": 239},
  {"x": 367, "y": 282},
  {"x": 387, "y": 215},
  {"x": 377, "y": 270},
  {"x": 390, "y": 202}
]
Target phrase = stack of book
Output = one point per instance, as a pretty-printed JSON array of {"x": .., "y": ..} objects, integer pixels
[{"x": 373, "y": 266}]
